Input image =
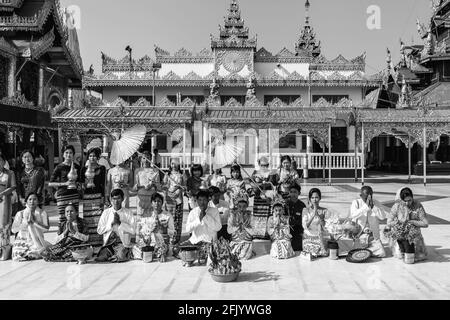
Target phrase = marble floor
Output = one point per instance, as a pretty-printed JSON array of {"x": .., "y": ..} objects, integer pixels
[{"x": 261, "y": 277}]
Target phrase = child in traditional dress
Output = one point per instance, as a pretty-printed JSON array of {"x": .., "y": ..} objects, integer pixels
[
  {"x": 239, "y": 226},
  {"x": 279, "y": 231},
  {"x": 235, "y": 186}
]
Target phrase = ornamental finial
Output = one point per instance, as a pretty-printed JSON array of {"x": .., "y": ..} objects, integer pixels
[{"x": 307, "y": 6}]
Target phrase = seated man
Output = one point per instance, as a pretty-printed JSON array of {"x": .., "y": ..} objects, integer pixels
[
  {"x": 117, "y": 227},
  {"x": 366, "y": 213},
  {"x": 224, "y": 211},
  {"x": 203, "y": 223}
]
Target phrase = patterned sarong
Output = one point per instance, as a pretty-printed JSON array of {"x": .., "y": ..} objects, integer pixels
[
  {"x": 282, "y": 249},
  {"x": 243, "y": 249},
  {"x": 92, "y": 211},
  {"x": 61, "y": 251}
]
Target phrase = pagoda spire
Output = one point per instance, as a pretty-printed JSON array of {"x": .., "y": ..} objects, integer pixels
[
  {"x": 233, "y": 24},
  {"x": 307, "y": 44},
  {"x": 233, "y": 33}
]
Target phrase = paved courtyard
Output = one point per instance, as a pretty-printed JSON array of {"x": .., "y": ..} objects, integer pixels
[{"x": 261, "y": 277}]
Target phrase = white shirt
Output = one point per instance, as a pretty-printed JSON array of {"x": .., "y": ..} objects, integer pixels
[
  {"x": 361, "y": 213},
  {"x": 224, "y": 210},
  {"x": 205, "y": 230},
  {"x": 126, "y": 226}
]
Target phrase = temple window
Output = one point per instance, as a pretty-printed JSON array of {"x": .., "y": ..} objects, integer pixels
[
  {"x": 287, "y": 99},
  {"x": 335, "y": 98}
]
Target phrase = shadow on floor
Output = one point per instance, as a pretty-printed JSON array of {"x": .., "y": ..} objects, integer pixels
[{"x": 258, "y": 276}]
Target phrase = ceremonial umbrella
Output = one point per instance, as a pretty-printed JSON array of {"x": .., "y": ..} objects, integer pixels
[
  {"x": 127, "y": 144},
  {"x": 225, "y": 154}
]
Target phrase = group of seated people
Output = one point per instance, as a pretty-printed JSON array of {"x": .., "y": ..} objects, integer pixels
[{"x": 291, "y": 226}]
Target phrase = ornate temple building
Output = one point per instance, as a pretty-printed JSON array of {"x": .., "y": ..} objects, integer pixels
[
  {"x": 40, "y": 73},
  {"x": 327, "y": 113},
  {"x": 418, "y": 88},
  {"x": 269, "y": 103}
]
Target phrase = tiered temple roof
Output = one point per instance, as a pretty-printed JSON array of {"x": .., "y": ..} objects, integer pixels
[
  {"x": 32, "y": 17},
  {"x": 304, "y": 66},
  {"x": 421, "y": 74},
  {"x": 233, "y": 33}
]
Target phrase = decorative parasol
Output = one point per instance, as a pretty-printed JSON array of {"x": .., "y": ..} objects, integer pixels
[
  {"x": 226, "y": 154},
  {"x": 127, "y": 144}
]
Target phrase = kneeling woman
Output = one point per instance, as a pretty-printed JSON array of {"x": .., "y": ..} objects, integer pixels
[
  {"x": 279, "y": 231},
  {"x": 406, "y": 218},
  {"x": 75, "y": 232},
  {"x": 30, "y": 224},
  {"x": 313, "y": 221},
  {"x": 156, "y": 230},
  {"x": 239, "y": 226}
]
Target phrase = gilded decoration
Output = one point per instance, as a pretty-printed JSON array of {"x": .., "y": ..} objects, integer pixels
[
  {"x": 165, "y": 102},
  {"x": 234, "y": 61},
  {"x": 142, "y": 102},
  {"x": 277, "y": 103},
  {"x": 322, "y": 103},
  {"x": 41, "y": 46},
  {"x": 232, "y": 103}
]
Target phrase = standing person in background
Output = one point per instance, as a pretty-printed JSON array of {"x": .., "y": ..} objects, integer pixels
[
  {"x": 235, "y": 186},
  {"x": 286, "y": 177},
  {"x": 157, "y": 158},
  {"x": 31, "y": 179},
  {"x": 67, "y": 191},
  {"x": 147, "y": 182},
  {"x": 193, "y": 184},
  {"x": 7, "y": 186},
  {"x": 218, "y": 179},
  {"x": 120, "y": 177},
  {"x": 93, "y": 179},
  {"x": 174, "y": 183}
]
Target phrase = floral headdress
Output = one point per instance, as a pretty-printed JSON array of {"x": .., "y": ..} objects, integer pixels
[{"x": 278, "y": 200}]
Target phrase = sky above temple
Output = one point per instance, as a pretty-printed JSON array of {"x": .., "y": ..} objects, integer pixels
[{"x": 340, "y": 25}]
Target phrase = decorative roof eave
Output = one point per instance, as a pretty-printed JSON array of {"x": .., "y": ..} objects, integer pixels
[
  {"x": 194, "y": 59},
  {"x": 34, "y": 23},
  {"x": 41, "y": 46},
  {"x": 137, "y": 114},
  {"x": 234, "y": 42},
  {"x": 7, "y": 49},
  {"x": 10, "y": 5},
  {"x": 99, "y": 83},
  {"x": 183, "y": 56},
  {"x": 404, "y": 116}
]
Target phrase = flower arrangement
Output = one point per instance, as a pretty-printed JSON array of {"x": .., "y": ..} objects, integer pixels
[
  {"x": 402, "y": 231},
  {"x": 223, "y": 261}
]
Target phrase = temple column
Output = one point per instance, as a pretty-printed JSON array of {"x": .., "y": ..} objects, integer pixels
[
  {"x": 205, "y": 146},
  {"x": 153, "y": 143},
  {"x": 41, "y": 86},
  {"x": 105, "y": 143},
  {"x": 12, "y": 76},
  {"x": 256, "y": 148},
  {"x": 351, "y": 138},
  {"x": 309, "y": 150}
]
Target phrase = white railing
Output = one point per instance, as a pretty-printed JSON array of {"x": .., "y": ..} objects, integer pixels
[
  {"x": 339, "y": 161},
  {"x": 184, "y": 159}
]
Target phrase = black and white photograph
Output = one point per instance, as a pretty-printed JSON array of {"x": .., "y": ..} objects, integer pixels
[{"x": 225, "y": 151}]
